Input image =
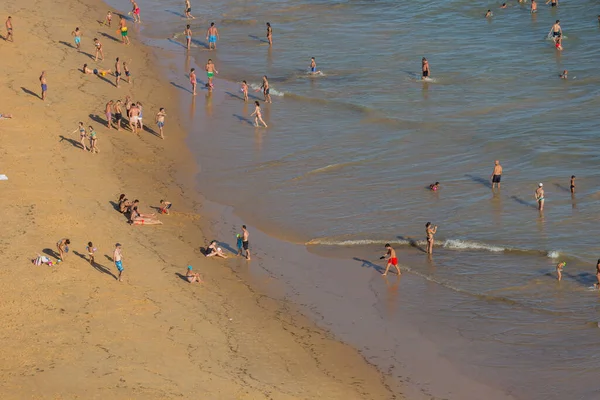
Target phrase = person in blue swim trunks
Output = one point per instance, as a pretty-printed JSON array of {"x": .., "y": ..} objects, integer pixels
[
  {"x": 118, "y": 259},
  {"x": 212, "y": 35},
  {"x": 44, "y": 84},
  {"x": 77, "y": 34},
  {"x": 313, "y": 66}
]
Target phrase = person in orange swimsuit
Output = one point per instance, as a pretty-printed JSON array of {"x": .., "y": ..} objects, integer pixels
[{"x": 391, "y": 259}]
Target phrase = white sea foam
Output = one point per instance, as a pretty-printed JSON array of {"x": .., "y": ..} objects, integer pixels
[
  {"x": 457, "y": 244},
  {"x": 272, "y": 91}
]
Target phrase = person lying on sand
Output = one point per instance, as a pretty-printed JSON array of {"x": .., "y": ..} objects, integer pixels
[
  {"x": 192, "y": 276},
  {"x": 143, "y": 219},
  {"x": 214, "y": 251},
  {"x": 95, "y": 71},
  {"x": 5, "y": 116},
  {"x": 40, "y": 260}
]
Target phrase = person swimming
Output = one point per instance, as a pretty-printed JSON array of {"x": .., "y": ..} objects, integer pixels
[
  {"x": 564, "y": 75},
  {"x": 434, "y": 186}
]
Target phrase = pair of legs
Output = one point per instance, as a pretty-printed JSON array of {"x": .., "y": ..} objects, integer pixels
[
  {"x": 82, "y": 141},
  {"x": 61, "y": 253},
  {"x": 541, "y": 205},
  {"x": 259, "y": 118},
  {"x": 429, "y": 245},
  {"x": 389, "y": 265},
  {"x": 194, "y": 277},
  {"x": 133, "y": 121}
]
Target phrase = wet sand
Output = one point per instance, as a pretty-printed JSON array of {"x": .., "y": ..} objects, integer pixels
[{"x": 72, "y": 330}]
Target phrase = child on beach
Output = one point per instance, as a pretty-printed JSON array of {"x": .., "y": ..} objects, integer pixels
[
  {"x": 193, "y": 80},
  {"x": 188, "y": 36},
  {"x": 239, "y": 243},
  {"x": 127, "y": 73},
  {"x": 558, "y": 43},
  {"x": 165, "y": 206},
  {"x": 160, "y": 121},
  {"x": 257, "y": 115},
  {"x": 99, "y": 51},
  {"x": 434, "y": 186},
  {"x": 77, "y": 34},
  {"x": 82, "y": 135},
  {"x": 140, "y": 114},
  {"x": 108, "y": 18},
  {"x": 244, "y": 90},
  {"x": 559, "y": 269},
  {"x": 90, "y": 250},
  {"x": 93, "y": 140}
]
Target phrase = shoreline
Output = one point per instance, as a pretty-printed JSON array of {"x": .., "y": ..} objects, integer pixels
[{"x": 154, "y": 335}]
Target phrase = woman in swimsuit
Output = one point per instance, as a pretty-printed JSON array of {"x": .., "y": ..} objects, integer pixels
[
  {"x": 192, "y": 276},
  {"x": 82, "y": 136},
  {"x": 99, "y": 51},
  {"x": 257, "y": 114},
  {"x": 430, "y": 231},
  {"x": 214, "y": 251},
  {"x": 269, "y": 34}
]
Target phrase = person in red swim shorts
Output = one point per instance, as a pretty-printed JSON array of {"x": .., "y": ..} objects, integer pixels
[{"x": 391, "y": 259}]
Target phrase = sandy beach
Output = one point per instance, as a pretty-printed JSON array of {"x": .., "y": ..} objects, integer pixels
[{"x": 72, "y": 330}]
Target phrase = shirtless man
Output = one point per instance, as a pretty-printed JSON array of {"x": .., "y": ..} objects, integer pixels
[
  {"x": 77, "y": 35},
  {"x": 188, "y": 10},
  {"x": 63, "y": 248},
  {"x": 496, "y": 174},
  {"x": 160, "y": 122},
  {"x": 108, "y": 113},
  {"x": 265, "y": 88},
  {"x": 117, "y": 72},
  {"x": 390, "y": 255},
  {"x": 425, "y": 68},
  {"x": 212, "y": 35},
  {"x": 135, "y": 11},
  {"x": 269, "y": 34},
  {"x": 9, "y": 30},
  {"x": 556, "y": 30},
  {"x": 134, "y": 113},
  {"x": 430, "y": 230},
  {"x": 245, "y": 245},
  {"x": 118, "y": 259},
  {"x": 554, "y": 3},
  {"x": 124, "y": 30},
  {"x": 193, "y": 80},
  {"x": 44, "y": 84},
  {"x": 188, "y": 36},
  {"x": 210, "y": 73},
  {"x": 533, "y": 6},
  {"x": 539, "y": 196}
]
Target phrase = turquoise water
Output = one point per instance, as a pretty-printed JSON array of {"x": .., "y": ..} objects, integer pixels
[{"x": 348, "y": 154}]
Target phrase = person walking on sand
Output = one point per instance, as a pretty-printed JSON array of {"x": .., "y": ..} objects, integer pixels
[
  {"x": 108, "y": 114},
  {"x": 496, "y": 175},
  {"x": 430, "y": 230},
  {"x": 390, "y": 255},
  {"x": 212, "y": 34},
  {"x": 77, "y": 35},
  {"x": 193, "y": 80},
  {"x": 91, "y": 250},
  {"x": 257, "y": 115},
  {"x": 99, "y": 51},
  {"x": 118, "y": 259},
  {"x": 117, "y": 72},
  {"x": 82, "y": 135},
  {"x": 192, "y": 276},
  {"x": 245, "y": 241},
  {"x": 313, "y": 66},
  {"x": 63, "y": 248},
  {"x": 140, "y": 116},
  {"x": 44, "y": 84},
  {"x": 123, "y": 29},
  {"x": 210, "y": 73},
  {"x": 9, "y": 30},
  {"x": 425, "y": 68},
  {"x": 572, "y": 185},
  {"x": 108, "y": 19},
  {"x": 539, "y": 196},
  {"x": 559, "y": 269},
  {"x": 160, "y": 121},
  {"x": 269, "y": 34},
  {"x": 188, "y": 36},
  {"x": 188, "y": 10}
]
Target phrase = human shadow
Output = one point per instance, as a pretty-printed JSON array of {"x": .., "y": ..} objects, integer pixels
[
  {"x": 244, "y": 119},
  {"x": 183, "y": 277},
  {"x": 151, "y": 131},
  {"x": 30, "y": 92},
  {"x": 412, "y": 243},
  {"x": 180, "y": 87},
  {"x": 200, "y": 43},
  {"x": 228, "y": 247},
  {"x": 258, "y": 38},
  {"x": 177, "y": 43},
  {"x": 106, "y": 35},
  {"x": 369, "y": 264},
  {"x": 75, "y": 143},
  {"x": 562, "y": 187},
  {"x": 175, "y": 13},
  {"x": 115, "y": 205},
  {"x": 523, "y": 202},
  {"x": 480, "y": 180},
  {"x": 98, "y": 119},
  {"x": 95, "y": 265},
  {"x": 203, "y": 250},
  {"x": 109, "y": 258},
  {"x": 51, "y": 253},
  {"x": 106, "y": 80},
  {"x": 66, "y": 44},
  {"x": 234, "y": 95},
  {"x": 584, "y": 278}
]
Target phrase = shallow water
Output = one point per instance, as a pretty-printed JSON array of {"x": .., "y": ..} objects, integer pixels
[{"x": 348, "y": 155}]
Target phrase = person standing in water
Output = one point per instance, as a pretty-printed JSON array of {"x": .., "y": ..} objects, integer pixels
[
  {"x": 257, "y": 115},
  {"x": 269, "y": 34},
  {"x": 212, "y": 35},
  {"x": 496, "y": 174},
  {"x": 430, "y": 230},
  {"x": 188, "y": 36},
  {"x": 572, "y": 183},
  {"x": 245, "y": 243},
  {"x": 266, "y": 89},
  {"x": 313, "y": 66},
  {"x": 559, "y": 269},
  {"x": 554, "y": 3},
  {"x": 533, "y": 6},
  {"x": 210, "y": 73},
  {"x": 597, "y": 285},
  {"x": 539, "y": 196},
  {"x": 556, "y": 30},
  {"x": 390, "y": 255},
  {"x": 425, "y": 68},
  {"x": 188, "y": 10},
  {"x": 193, "y": 80}
]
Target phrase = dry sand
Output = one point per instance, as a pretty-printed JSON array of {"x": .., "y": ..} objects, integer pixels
[{"x": 72, "y": 331}]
